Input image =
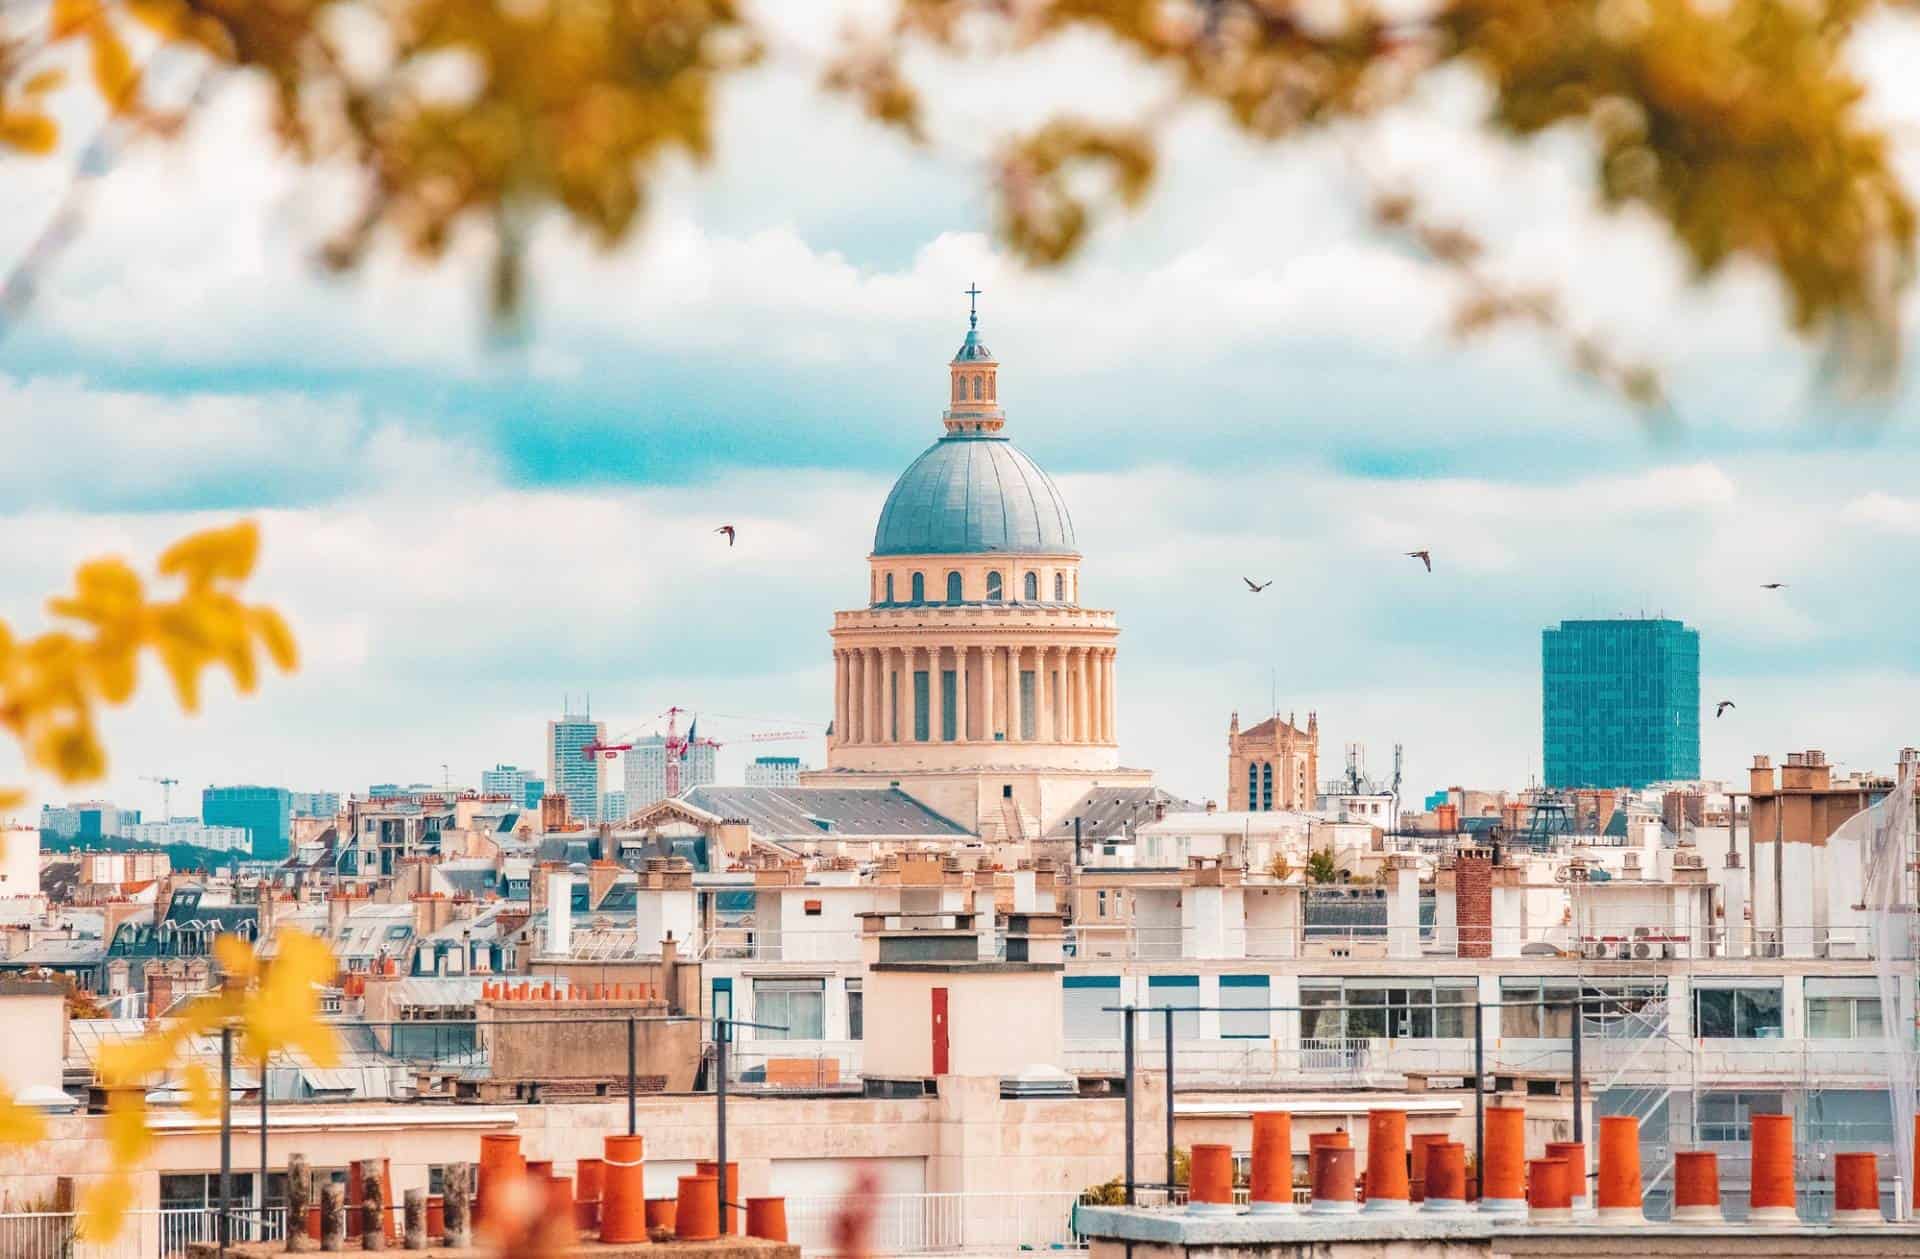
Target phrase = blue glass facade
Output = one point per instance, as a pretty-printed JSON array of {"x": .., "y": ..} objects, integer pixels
[
  {"x": 1620, "y": 703},
  {"x": 265, "y": 812}
]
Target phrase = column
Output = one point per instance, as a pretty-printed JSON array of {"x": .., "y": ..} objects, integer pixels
[
  {"x": 1097, "y": 677},
  {"x": 839, "y": 696},
  {"x": 1012, "y": 681},
  {"x": 1087, "y": 706},
  {"x": 936, "y": 707},
  {"x": 960, "y": 692},
  {"x": 987, "y": 700},
  {"x": 1113, "y": 708},
  {"x": 1043, "y": 691},
  {"x": 870, "y": 716},
  {"x": 857, "y": 696},
  {"x": 909, "y": 694}
]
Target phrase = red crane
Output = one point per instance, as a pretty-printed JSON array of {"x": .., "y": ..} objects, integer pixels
[{"x": 676, "y": 746}]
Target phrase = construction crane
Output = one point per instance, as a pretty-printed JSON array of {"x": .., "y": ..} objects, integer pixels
[
  {"x": 166, "y": 794},
  {"x": 676, "y": 747}
]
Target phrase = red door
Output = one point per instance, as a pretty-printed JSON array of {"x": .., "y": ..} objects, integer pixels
[{"x": 939, "y": 1031}]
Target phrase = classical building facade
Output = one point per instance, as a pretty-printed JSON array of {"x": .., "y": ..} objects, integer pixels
[
  {"x": 1274, "y": 765},
  {"x": 975, "y": 678}
]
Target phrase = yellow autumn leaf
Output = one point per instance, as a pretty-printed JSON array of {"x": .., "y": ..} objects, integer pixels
[
  {"x": 213, "y": 553},
  {"x": 236, "y": 956},
  {"x": 70, "y": 17},
  {"x": 276, "y": 638},
  {"x": 29, "y": 133},
  {"x": 104, "y": 1207},
  {"x": 20, "y": 1125},
  {"x": 201, "y": 1098},
  {"x": 128, "y": 1137},
  {"x": 113, "y": 70},
  {"x": 43, "y": 81}
]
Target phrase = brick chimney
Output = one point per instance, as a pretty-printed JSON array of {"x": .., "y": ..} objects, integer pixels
[{"x": 1473, "y": 901}]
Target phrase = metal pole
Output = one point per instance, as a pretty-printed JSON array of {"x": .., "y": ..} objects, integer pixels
[
  {"x": 1579, "y": 1010},
  {"x": 721, "y": 1029},
  {"x": 1126, "y": 1059},
  {"x": 226, "y": 1137},
  {"x": 260, "y": 1190},
  {"x": 1169, "y": 1018},
  {"x": 633, "y": 1101},
  {"x": 1479, "y": 1088},
  {"x": 1779, "y": 887}
]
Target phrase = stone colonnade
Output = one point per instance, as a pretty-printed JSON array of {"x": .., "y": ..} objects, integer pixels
[{"x": 972, "y": 693}]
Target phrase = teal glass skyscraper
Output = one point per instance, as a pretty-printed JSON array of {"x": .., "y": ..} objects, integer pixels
[{"x": 1620, "y": 702}]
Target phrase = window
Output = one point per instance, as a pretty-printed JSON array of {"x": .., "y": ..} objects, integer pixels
[
  {"x": 889, "y": 587},
  {"x": 1729, "y": 1116},
  {"x": 1419, "y": 1009},
  {"x": 949, "y": 705},
  {"x": 1844, "y": 1009},
  {"x": 856, "y": 1010},
  {"x": 722, "y": 1004},
  {"x": 1266, "y": 787},
  {"x": 953, "y": 588},
  {"x": 1736, "y": 1010},
  {"x": 921, "y": 698},
  {"x": 1175, "y": 990},
  {"x": 1033, "y": 588},
  {"x": 1242, "y": 1012},
  {"x": 1029, "y": 709},
  {"x": 795, "y": 1004},
  {"x": 976, "y": 389},
  {"x": 810, "y": 909},
  {"x": 1253, "y": 787},
  {"x": 1083, "y": 997},
  {"x": 993, "y": 588},
  {"x": 1537, "y": 1008},
  {"x": 1059, "y": 587},
  {"x": 1100, "y": 903}
]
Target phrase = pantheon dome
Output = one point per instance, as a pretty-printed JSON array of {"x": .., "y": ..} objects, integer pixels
[{"x": 974, "y": 678}]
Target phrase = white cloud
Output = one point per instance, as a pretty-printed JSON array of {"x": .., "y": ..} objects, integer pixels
[{"x": 442, "y": 625}]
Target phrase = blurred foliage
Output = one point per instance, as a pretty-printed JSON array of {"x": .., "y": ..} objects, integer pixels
[
  {"x": 1737, "y": 123},
  {"x": 1280, "y": 869},
  {"x": 272, "y": 1006},
  {"x": 1321, "y": 867},
  {"x": 51, "y": 688}
]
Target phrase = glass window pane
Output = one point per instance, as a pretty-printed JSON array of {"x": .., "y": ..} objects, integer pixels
[
  {"x": 1237, "y": 1022},
  {"x": 1756, "y": 1012},
  {"x": 1830, "y": 1018},
  {"x": 1866, "y": 1014},
  {"x": 1713, "y": 1013},
  {"x": 1319, "y": 1019},
  {"x": 1083, "y": 999}
]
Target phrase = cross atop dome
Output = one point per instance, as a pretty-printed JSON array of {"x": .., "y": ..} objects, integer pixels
[{"x": 974, "y": 395}]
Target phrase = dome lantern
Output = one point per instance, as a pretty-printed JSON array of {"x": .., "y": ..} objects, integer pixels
[{"x": 974, "y": 393}]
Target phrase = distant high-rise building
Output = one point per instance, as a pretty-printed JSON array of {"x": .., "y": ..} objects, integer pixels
[
  {"x": 572, "y": 771},
  {"x": 88, "y": 819},
  {"x": 647, "y": 769},
  {"x": 506, "y": 780},
  {"x": 1620, "y": 703},
  {"x": 613, "y": 807},
  {"x": 531, "y": 793},
  {"x": 773, "y": 771},
  {"x": 187, "y": 830},
  {"x": 314, "y": 803},
  {"x": 266, "y": 813}
]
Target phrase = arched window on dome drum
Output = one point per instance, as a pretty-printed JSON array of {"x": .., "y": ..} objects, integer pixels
[
  {"x": 919, "y": 587},
  {"x": 889, "y": 587},
  {"x": 1059, "y": 587},
  {"x": 976, "y": 389},
  {"x": 953, "y": 587},
  {"x": 1033, "y": 587},
  {"x": 1253, "y": 787},
  {"x": 993, "y": 588}
]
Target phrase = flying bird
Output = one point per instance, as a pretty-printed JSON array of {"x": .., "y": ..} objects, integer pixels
[
  {"x": 1772, "y": 585},
  {"x": 1720, "y": 709},
  {"x": 1425, "y": 557},
  {"x": 1257, "y": 589},
  {"x": 728, "y": 530}
]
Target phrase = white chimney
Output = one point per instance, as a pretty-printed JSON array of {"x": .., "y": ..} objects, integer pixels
[{"x": 560, "y": 913}]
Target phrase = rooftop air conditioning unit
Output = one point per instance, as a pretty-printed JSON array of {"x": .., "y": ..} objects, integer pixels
[{"x": 1642, "y": 950}]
